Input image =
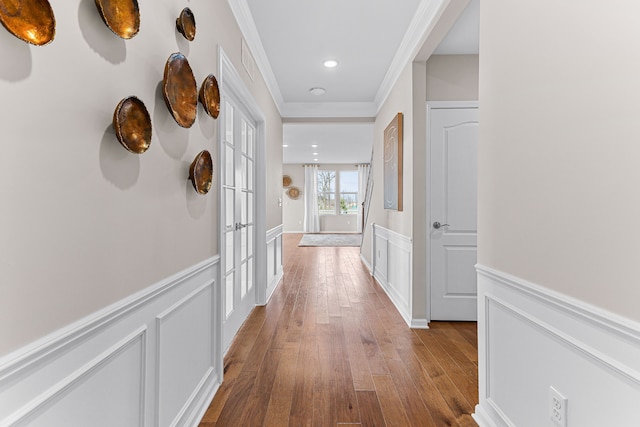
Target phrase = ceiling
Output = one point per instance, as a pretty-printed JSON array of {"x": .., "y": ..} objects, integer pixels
[{"x": 372, "y": 42}]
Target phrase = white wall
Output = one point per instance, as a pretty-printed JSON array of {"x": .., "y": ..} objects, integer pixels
[
  {"x": 558, "y": 213},
  {"x": 293, "y": 210},
  {"x": 558, "y": 165},
  {"x": 84, "y": 222}
]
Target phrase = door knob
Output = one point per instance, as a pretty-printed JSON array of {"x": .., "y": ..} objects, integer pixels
[
  {"x": 239, "y": 226},
  {"x": 437, "y": 225}
]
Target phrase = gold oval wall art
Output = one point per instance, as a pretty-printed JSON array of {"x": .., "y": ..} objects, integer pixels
[
  {"x": 286, "y": 180},
  {"x": 121, "y": 16},
  {"x": 201, "y": 172},
  {"x": 29, "y": 20},
  {"x": 180, "y": 90},
  {"x": 210, "y": 96},
  {"x": 186, "y": 24},
  {"x": 132, "y": 124}
]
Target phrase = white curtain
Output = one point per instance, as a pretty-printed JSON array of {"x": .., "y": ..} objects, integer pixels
[
  {"x": 363, "y": 174},
  {"x": 311, "y": 216}
]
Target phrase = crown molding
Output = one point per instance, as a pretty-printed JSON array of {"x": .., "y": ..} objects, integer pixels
[
  {"x": 242, "y": 13},
  {"x": 423, "y": 22},
  {"x": 425, "y": 19}
]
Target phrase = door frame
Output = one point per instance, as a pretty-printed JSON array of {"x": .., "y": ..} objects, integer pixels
[
  {"x": 434, "y": 105},
  {"x": 232, "y": 84}
]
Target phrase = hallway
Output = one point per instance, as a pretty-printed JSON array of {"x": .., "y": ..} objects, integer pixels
[{"x": 330, "y": 349}]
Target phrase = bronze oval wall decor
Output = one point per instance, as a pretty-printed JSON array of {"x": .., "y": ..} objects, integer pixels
[
  {"x": 180, "y": 90},
  {"x": 286, "y": 181},
  {"x": 121, "y": 16},
  {"x": 186, "y": 24},
  {"x": 201, "y": 172},
  {"x": 210, "y": 96},
  {"x": 31, "y": 21},
  {"x": 132, "y": 124}
]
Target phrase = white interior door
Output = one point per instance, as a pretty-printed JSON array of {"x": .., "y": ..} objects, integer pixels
[
  {"x": 237, "y": 255},
  {"x": 453, "y": 138}
]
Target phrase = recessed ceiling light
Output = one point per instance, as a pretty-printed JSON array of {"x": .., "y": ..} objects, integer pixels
[
  {"x": 314, "y": 145},
  {"x": 285, "y": 145},
  {"x": 315, "y": 154},
  {"x": 317, "y": 91},
  {"x": 330, "y": 63},
  {"x": 315, "y": 160}
]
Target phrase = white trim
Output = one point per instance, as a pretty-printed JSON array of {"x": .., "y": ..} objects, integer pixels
[
  {"x": 419, "y": 324},
  {"x": 243, "y": 16},
  {"x": 84, "y": 329},
  {"x": 274, "y": 233},
  {"x": 394, "y": 278},
  {"x": 424, "y": 20},
  {"x": 597, "y": 316},
  {"x": 232, "y": 84},
  {"x": 434, "y": 105},
  {"x": 187, "y": 408},
  {"x": 589, "y": 344},
  {"x": 46, "y": 373},
  {"x": 69, "y": 383},
  {"x": 274, "y": 236}
]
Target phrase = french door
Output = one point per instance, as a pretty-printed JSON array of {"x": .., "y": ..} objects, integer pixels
[{"x": 238, "y": 166}]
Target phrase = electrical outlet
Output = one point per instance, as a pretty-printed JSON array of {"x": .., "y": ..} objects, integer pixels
[{"x": 557, "y": 407}]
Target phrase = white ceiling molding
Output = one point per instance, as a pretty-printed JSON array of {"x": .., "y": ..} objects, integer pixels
[
  {"x": 425, "y": 19},
  {"x": 328, "y": 109},
  {"x": 427, "y": 15},
  {"x": 243, "y": 16}
]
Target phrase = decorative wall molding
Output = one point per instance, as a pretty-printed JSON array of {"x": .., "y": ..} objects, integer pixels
[
  {"x": 65, "y": 386},
  {"x": 118, "y": 349},
  {"x": 275, "y": 270},
  {"x": 577, "y": 348},
  {"x": 392, "y": 267}
]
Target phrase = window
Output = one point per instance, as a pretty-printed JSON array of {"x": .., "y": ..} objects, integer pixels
[
  {"x": 338, "y": 192},
  {"x": 326, "y": 192},
  {"x": 348, "y": 192}
]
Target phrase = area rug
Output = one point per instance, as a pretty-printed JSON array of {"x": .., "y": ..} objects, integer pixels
[{"x": 331, "y": 240}]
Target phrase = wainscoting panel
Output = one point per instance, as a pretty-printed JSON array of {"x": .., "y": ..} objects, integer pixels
[
  {"x": 531, "y": 339},
  {"x": 274, "y": 260},
  {"x": 392, "y": 266},
  {"x": 149, "y": 360}
]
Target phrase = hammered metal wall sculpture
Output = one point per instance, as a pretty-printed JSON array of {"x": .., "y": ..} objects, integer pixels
[
  {"x": 210, "y": 96},
  {"x": 201, "y": 172},
  {"x": 121, "y": 16},
  {"x": 180, "y": 90},
  {"x": 29, "y": 20},
  {"x": 132, "y": 124},
  {"x": 186, "y": 24}
]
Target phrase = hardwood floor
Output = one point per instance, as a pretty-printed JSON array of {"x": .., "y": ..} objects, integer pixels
[{"x": 330, "y": 349}]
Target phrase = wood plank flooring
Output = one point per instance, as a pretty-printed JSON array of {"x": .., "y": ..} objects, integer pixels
[{"x": 330, "y": 349}]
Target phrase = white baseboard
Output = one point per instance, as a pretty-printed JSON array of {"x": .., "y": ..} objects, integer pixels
[
  {"x": 531, "y": 338},
  {"x": 150, "y": 359},
  {"x": 419, "y": 324},
  {"x": 392, "y": 268}
]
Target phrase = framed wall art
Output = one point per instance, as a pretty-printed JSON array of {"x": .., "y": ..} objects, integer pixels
[{"x": 392, "y": 163}]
